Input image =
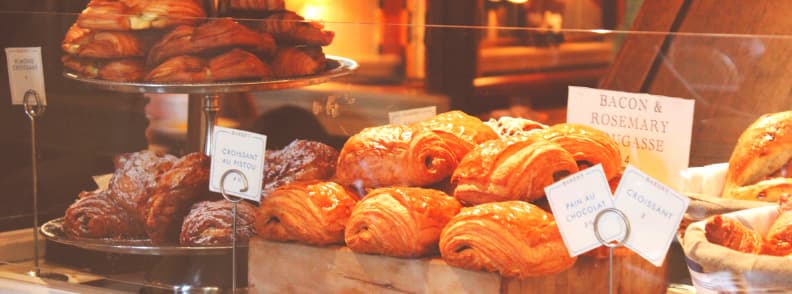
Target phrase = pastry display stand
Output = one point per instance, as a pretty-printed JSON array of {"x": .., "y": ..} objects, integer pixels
[{"x": 208, "y": 95}]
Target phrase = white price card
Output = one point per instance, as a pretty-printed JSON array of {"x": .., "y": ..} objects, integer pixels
[
  {"x": 654, "y": 211},
  {"x": 25, "y": 73},
  {"x": 409, "y": 116},
  {"x": 575, "y": 201},
  {"x": 242, "y": 151},
  {"x": 653, "y": 132}
]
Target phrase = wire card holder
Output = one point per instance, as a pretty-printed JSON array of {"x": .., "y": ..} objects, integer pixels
[
  {"x": 234, "y": 200},
  {"x": 35, "y": 110},
  {"x": 611, "y": 245}
]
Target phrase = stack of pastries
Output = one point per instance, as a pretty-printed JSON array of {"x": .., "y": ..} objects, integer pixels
[
  {"x": 452, "y": 185},
  {"x": 165, "y": 199},
  {"x": 378, "y": 195},
  {"x": 172, "y": 41}
]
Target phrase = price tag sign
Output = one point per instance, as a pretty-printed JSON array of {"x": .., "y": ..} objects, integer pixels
[
  {"x": 653, "y": 132},
  {"x": 409, "y": 116},
  {"x": 237, "y": 150},
  {"x": 654, "y": 211},
  {"x": 25, "y": 73},
  {"x": 575, "y": 202}
]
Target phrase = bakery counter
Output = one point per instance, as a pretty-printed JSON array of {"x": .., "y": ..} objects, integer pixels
[{"x": 294, "y": 268}]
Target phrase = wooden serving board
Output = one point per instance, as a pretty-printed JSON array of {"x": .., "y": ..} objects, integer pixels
[{"x": 275, "y": 267}]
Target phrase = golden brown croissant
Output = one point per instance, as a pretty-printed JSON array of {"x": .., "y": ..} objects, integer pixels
[
  {"x": 88, "y": 43},
  {"x": 731, "y": 233},
  {"x": 236, "y": 64},
  {"x": 779, "y": 238},
  {"x": 399, "y": 155},
  {"x": 298, "y": 61},
  {"x": 267, "y": 5},
  {"x": 308, "y": 212},
  {"x": 510, "y": 168},
  {"x": 514, "y": 238},
  {"x": 121, "y": 70},
  {"x": 290, "y": 28},
  {"x": 95, "y": 215},
  {"x": 212, "y": 36},
  {"x": 589, "y": 146},
  {"x": 759, "y": 167},
  {"x": 176, "y": 191},
  {"x": 210, "y": 223},
  {"x": 507, "y": 126},
  {"x": 125, "y": 15},
  {"x": 462, "y": 125},
  {"x": 399, "y": 221}
]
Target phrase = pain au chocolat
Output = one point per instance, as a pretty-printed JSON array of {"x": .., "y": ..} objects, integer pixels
[
  {"x": 310, "y": 212},
  {"x": 514, "y": 238}
]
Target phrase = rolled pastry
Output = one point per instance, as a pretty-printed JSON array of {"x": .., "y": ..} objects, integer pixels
[
  {"x": 95, "y": 215},
  {"x": 732, "y": 234},
  {"x": 399, "y": 221},
  {"x": 507, "y": 126},
  {"x": 308, "y": 212},
  {"x": 140, "y": 14},
  {"x": 393, "y": 155},
  {"x": 462, "y": 125},
  {"x": 514, "y": 238},
  {"x": 759, "y": 167},
  {"x": 510, "y": 168},
  {"x": 210, "y": 223},
  {"x": 779, "y": 238},
  {"x": 176, "y": 191},
  {"x": 589, "y": 146}
]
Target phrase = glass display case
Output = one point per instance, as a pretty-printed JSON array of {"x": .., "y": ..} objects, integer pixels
[{"x": 134, "y": 89}]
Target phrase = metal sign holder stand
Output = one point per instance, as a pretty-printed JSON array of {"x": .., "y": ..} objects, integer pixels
[
  {"x": 34, "y": 111},
  {"x": 611, "y": 245},
  {"x": 234, "y": 201}
]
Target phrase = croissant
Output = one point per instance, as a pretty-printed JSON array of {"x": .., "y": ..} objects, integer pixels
[
  {"x": 121, "y": 70},
  {"x": 732, "y": 234},
  {"x": 298, "y": 61},
  {"x": 510, "y": 168},
  {"x": 779, "y": 238},
  {"x": 125, "y": 15},
  {"x": 87, "y": 43},
  {"x": 95, "y": 215},
  {"x": 308, "y": 212},
  {"x": 210, "y": 223},
  {"x": 290, "y": 28},
  {"x": 236, "y": 64},
  {"x": 462, "y": 125},
  {"x": 268, "y": 5},
  {"x": 133, "y": 182},
  {"x": 589, "y": 146},
  {"x": 301, "y": 160},
  {"x": 399, "y": 221},
  {"x": 176, "y": 191},
  {"x": 514, "y": 238},
  {"x": 759, "y": 167},
  {"x": 506, "y": 126},
  {"x": 217, "y": 34},
  {"x": 399, "y": 155}
]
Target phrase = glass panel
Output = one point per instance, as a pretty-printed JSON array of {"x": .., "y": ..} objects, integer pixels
[{"x": 506, "y": 65}]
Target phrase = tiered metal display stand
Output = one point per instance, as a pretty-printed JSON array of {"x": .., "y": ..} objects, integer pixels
[{"x": 209, "y": 95}]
